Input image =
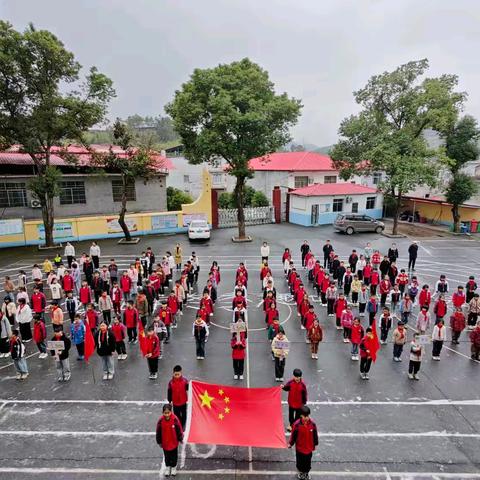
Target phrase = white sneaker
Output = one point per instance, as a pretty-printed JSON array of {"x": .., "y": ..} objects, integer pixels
[
  {"x": 173, "y": 471},
  {"x": 345, "y": 340},
  {"x": 410, "y": 376},
  {"x": 241, "y": 377},
  {"x": 110, "y": 376},
  {"x": 24, "y": 376},
  {"x": 235, "y": 377},
  {"x": 302, "y": 327},
  {"x": 105, "y": 376},
  {"x": 19, "y": 376},
  {"x": 168, "y": 471},
  {"x": 125, "y": 355},
  {"x": 353, "y": 357}
]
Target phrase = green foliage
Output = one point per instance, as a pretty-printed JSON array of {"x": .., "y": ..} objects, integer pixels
[
  {"x": 46, "y": 185},
  {"x": 175, "y": 199},
  {"x": 461, "y": 188},
  {"x": 259, "y": 199},
  {"x": 225, "y": 200},
  {"x": 232, "y": 112},
  {"x": 386, "y": 136},
  {"x": 38, "y": 109}
]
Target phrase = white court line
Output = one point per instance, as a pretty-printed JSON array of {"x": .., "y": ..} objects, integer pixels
[
  {"x": 328, "y": 403},
  {"x": 239, "y": 472},
  {"x": 127, "y": 434}
]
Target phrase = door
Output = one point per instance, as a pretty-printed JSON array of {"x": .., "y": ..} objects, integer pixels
[
  {"x": 314, "y": 215},
  {"x": 355, "y": 207}
]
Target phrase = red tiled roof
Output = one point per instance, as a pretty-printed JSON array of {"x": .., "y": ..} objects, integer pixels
[
  {"x": 319, "y": 189},
  {"x": 293, "y": 161},
  {"x": 13, "y": 156}
]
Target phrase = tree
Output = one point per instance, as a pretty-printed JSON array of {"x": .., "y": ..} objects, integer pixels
[
  {"x": 175, "y": 199},
  {"x": 232, "y": 112},
  {"x": 461, "y": 146},
  {"x": 37, "y": 110},
  {"x": 131, "y": 163},
  {"x": 225, "y": 200},
  {"x": 387, "y": 135},
  {"x": 259, "y": 200}
]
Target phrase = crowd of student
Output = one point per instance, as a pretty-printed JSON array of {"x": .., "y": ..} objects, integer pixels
[{"x": 143, "y": 303}]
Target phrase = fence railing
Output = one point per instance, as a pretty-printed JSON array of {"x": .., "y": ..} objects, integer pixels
[{"x": 253, "y": 216}]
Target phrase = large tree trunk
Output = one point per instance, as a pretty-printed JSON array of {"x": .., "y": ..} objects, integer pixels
[
  {"x": 123, "y": 211},
  {"x": 396, "y": 213},
  {"x": 456, "y": 218},
  {"x": 48, "y": 219},
  {"x": 239, "y": 194}
]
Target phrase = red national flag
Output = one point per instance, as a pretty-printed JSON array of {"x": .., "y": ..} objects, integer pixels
[
  {"x": 247, "y": 417},
  {"x": 373, "y": 345},
  {"x": 89, "y": 342}
]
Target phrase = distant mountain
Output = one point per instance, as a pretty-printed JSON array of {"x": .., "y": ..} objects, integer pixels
[{"x": 325, "y": 150}]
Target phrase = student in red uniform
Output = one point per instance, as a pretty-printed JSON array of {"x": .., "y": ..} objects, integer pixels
[
  {"x": 385, "y": 287},
  {"x": 339, "y": 306},
  {"x": 169, "y": 434},
  {"x": 38, "y": 302},
  {"x": 457, "y": 324},
  {"x": 125, "y": 285},
  {"x": 470, "y": 288},
  {"x": 458, "y": 297},
  {"x": 85, "y": 294},
  {"x": 165, "y": 316},
  {"x": 67, "y": 282},
  {"x": 177, "y": 394},
  {"x": 91, "y": 316},
  {"x": 305, "y": 438},
  {"x": 425, "y": 297},
  {"x": 152, "y": 351},
  {"x": 297, "y": 397},
  {"x": 314, "y": 336},
  {"x": 207, "y": 303},
  {"x": 119, "y": 332},
  {"x": 130, "y": 320},
  {"x": 239, "y": 298},
  {"x": 239, "y": 345},
  {"x": 303, "y": 307},
  {"x": 271, "y": 314},
  {"x": 374, "y": 281},
  {"x": 440, "y": 308},
  {"x": 172, "y": 304},
  {"x": 242, "y": 274},
  {"x": 116, "y": 296}
]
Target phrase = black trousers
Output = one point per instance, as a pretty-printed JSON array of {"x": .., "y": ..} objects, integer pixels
[
  {"x": 96, "y": 261},
  {"x": 132, "y": 333},
  {"x": 107, "y": 316},
  {"x": 238, "y": 367},
  {"x": 437, "y": 347},
  {"x": 455, "y": 335},
  {"x": 293, "y": 415},
  {"x": 279, "y": 367},
  {"x": 330, "y": 304},
  {"x": 69, "y": 261},
  {"x": 383, "y": 299},
  {"x": 384, "y": 334},
  {"x": 361, "y": 307},
  {"x": 411, "y": 263},
  {"x": 171, "y": 457},
  {"x": 371, "y": 318},
  {"x": 120, "y": 347},
  {"x": 152, "y": 365},
  {"x": 413, "y": 367},
  {"x": 354, "y": 297},
  {"x": 472, "y": 319},
  {"x": 365, "y": 364},
  {"x": 80, "y": 349},
  {"x": 303, "y": 259},
  {"x": 304, "y": 462},
  {"x": 397, "y": 350},
  {"x": 181, "y": 412}
]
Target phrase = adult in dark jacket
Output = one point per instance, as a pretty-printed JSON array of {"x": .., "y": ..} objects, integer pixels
[
  {"x": 305, "y": 438},
  {"x": 304, "y": 249},
  {"x": 169, "y": 436},
  {"x": 62, "y": 362},
  {"x": 393, "y": 253},
  {"x": 412, "y": 255},
  {"x": 327, "y": 249},
  {"x": 105, "y": 345}
]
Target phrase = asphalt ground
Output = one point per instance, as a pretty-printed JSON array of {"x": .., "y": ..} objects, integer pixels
[{"x": 388, "y": 427}]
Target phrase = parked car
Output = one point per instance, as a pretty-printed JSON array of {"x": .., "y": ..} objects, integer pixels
[
  {"x": 354, "y": 222},
  {"x": 198, "y": 230}
]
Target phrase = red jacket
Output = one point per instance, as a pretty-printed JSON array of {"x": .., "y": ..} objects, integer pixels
[
  {"x": 340, "y": 306},
  {"x": 85, "y": 295},
  {"x": 271, "y": 314},
  {"x": 303, "y": 308},
  {"x": 296, "y": 285},
  {"x": 402, "y": 279},
  {"x": 325, "y": 284},
  {"x": 319, "y": 276},
  {"x": 458, "y": 299},
  {"x": 367, "y": 271},
  {"x": 475, "y": 337},
  {"x": 299, "y": 295},
  {"x": 203, "y": 314},
  {"x": 207, "y": 304},
  {"x": 357, "y": 334},
  {"x": 264, "y": 272},
  {"x": 165, "y": 315},
  {"x": 309, "y": 318},
  {"x": 297, "y": 393},
  {"x": 267, "y": 302},
  {"x": 440, "y": 308},
  {"x": 375, "y": 279},
  {"x": 118, "y": 332},
  {"x": 169, "y": 432},
  {"x": 304, "y": 436},
  {"x": 376, "y": 259},
  {"x": 425, "y": 297},
  {"x": 172, "y": 304},
  {"x": 116, "y": 295},
  {"x": 177, "y": 392},
  {"x": 130, "y": 317},
  {"x": 39, "y": 302},
  {"x": 125, "y": 283},
  {"x": 67, "y": 283},
  {"x": 152, "y": 345},
  {"x": 457, "y": 322},
  {"x": 92, "y": 318},
  {"x": 385, "y": 286},
  {"x": 39, "y": 332},
  {"x": 241, "y": 299},
  {"x": 238, "y": 348}
]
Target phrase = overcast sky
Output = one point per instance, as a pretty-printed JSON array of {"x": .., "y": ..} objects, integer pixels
[{"x": 316, "y": 50}]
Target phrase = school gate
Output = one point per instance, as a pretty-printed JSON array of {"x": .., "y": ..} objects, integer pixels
[{"x": 253, "y": 216}]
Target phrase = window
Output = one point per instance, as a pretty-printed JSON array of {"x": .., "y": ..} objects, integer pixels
[
  {"x": 355, "y": 207},
  {"x": 371, "y": 203},
  {"x": 13, "y": 195},
  {"x": 117, "y": 186},
  {"x": 337, "y": 205},
  {"x": 72, "y": 192},
  {"x": 330, "y": 179},
  {"x": 376, "y": 178},
  {"x": 186, "y": 179},
  {"x": 301, "y": 182}
]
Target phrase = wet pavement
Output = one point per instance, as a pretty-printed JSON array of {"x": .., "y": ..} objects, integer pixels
[{"x": 388, "y": 427}]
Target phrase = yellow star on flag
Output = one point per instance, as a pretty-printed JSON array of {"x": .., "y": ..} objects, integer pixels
[
  {"x": 226, "y": 399},
  {"x": 227, "y": 410},
  {"x": 220, "y": 416},
  {"x": 206, "y": 400},
  {"x": 221, "y": 392}
]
